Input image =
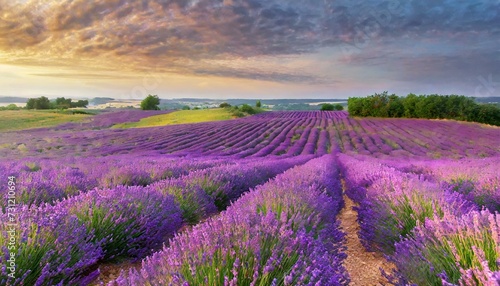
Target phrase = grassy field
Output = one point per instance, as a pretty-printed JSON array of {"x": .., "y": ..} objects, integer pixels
[
  {"x": 12, "y": 120},
  {"x": 180, "y": 117}
]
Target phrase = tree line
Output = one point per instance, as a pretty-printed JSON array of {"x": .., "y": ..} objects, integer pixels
[
  {"x": 60, "y": 103},
  {"x": 434, "y": 106}
]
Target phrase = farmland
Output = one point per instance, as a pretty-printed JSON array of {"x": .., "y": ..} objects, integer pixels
[
  {"x": 23, "y": 119},
  {"x": 251, "y": 201},
  {"x": 180, "y": 117}
]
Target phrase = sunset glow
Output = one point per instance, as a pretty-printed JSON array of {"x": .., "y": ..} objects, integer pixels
[{"x": 248, "y": 48}]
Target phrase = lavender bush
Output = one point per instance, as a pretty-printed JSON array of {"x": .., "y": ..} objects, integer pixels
[
  {"x": 194, "y": 202},
  {"x": 252, "y": 243},
  {"x": 129, "y": 221},
  {"x": 392, "y": 203},
  {"x": 477, "y": 179},
  {"x": 227, "y": 183},
  {"x": 52, "y": 248},
  {"x": 262, "y": 135},
  {"x": 451, "y": 251},
  {"x": 46, "y": 181}
]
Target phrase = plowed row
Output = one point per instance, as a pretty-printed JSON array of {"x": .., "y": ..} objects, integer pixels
[{"x": 272, "y": 133}]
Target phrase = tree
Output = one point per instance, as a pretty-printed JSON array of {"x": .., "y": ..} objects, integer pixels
[
  {"x": 354, "y": 106},
  {"x": 186, "y": 107},
  {"x": 63, "y": 103},
  {"x": 258, "y": 104},
  {"x": 43, "y": 103},
  {"x": 151, "y": 102},
  {"x": 12, "y": 106},
  {"x": 338, "y": 107},
  {"x": 410, "y": 105},
  {"x": 395, "y": 106},
  {"x": 30, "y": 104},
  {"x": 38, "y": 103},
  {"x": 80, "y": 103},
  {"x": 327, "y": 107},
  {"x": 224, "y": 105},
  {"x": 248, "y": 109}
]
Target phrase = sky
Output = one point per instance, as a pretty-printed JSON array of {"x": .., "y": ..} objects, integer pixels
[{"x": 248, "y": 48}]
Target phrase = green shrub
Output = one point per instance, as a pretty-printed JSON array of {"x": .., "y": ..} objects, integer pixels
[
  {"x": 327, "y": 107},
  {"x": 247, "y": 109},
  {"x": 151, "y": 102}
]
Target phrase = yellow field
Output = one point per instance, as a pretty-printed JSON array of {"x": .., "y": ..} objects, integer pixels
[
  {"x": 180, "y": 117},
  {"x": 12, "y": 120}
]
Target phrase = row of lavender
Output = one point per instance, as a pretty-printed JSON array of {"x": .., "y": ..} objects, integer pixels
[
  {"x": 387, "y": 138},
  {"x": 47, "y": 180},
  {"x": 282, "y": 233},
  {"x": 302, "y": 114},
  {"x": 62, "y": 242},
  {"x": 272, "y": 133},
  {"x": 426, "y": 216}
]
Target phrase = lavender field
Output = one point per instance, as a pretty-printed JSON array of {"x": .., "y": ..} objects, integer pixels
[{"x": 250, "y": 201}]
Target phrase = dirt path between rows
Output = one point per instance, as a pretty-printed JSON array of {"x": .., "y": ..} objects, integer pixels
[{"x": 363, "y": 266}]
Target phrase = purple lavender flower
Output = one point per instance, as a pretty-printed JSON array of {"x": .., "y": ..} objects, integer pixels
[{"x": 260, "y": 241}]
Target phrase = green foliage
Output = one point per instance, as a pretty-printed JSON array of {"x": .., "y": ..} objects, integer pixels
[
  {"x": 485, "y": 113},
  {"x": 10, "y": 107},
  {"x": 331, "y": 107},
  {"x": 81, "y": 112},
  {"x": 25, "y": 119},
  {"x": 63, "y": 103},
  {"x": 60, "y": 102},
  {"x": 401, "y": 216},
  {"x": 258, "y": 104},
  {"x": 327, "y": 107},
  {"x": 151, "y": 102},
  {"x": 243, "y": 110},
  {"x": 247, "y": 109},
  {"x": 192, "y": 210},
  {"x": 456, "y": 247},
  {"x": 80, "y": 103},
  {"x": 185, "y": 107},
  {"x": 410, "y": 106},
  {"x": 224, "y": 105},
  {"x": 434, "y": 106},
  {"x": 38, "y": 103},
  {"x": 180, "y": 117},
  {"x": 238, "y": 113}
]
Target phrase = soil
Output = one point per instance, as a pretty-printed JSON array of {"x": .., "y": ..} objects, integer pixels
[
  {"x": 111, "y": 271},
  {"x": 363, "y": 266}
]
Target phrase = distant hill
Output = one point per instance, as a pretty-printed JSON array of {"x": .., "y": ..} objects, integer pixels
[
  {"x": 100, "y": 100},
  {"x": 236, "y": 101},
  {"x": 12, "y": 99},
  {"x": 275, "y": 104},
  {"x": 493, "y": 99}
]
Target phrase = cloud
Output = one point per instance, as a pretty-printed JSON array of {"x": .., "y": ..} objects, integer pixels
[
  {"x": 182, "y": 35},
  {"x": 81, "y": 75},
  {"x": 260, "y": 75}
]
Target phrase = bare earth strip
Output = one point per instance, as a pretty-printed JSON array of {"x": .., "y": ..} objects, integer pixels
[{"x": 363, "y": 266}]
